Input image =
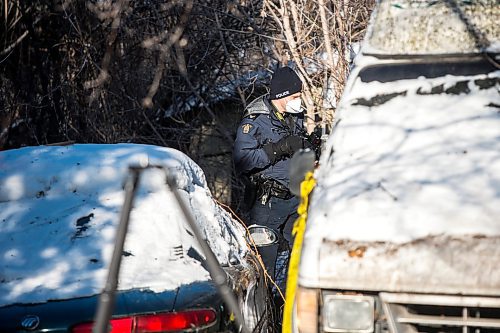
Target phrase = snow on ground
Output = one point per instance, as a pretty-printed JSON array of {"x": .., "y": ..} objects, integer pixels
[
  {"x": 422, "y": 163},
  {"x": 59, "y": 208}
]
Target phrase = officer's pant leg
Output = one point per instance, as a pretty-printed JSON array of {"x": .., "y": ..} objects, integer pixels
[
  {"x": 285, "y": 213},
  {"x": 276, "y": 214},
  {"x": 288, "y": 209},
  {"x": 261, "y": 214},
  {"x": 269, "y": 255}
]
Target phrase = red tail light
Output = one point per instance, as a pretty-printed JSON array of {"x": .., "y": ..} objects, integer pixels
[{"x": 162, "y": 322}]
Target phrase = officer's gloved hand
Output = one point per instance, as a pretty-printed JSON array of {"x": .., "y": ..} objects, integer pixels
[{"x": 283, "y": 148}]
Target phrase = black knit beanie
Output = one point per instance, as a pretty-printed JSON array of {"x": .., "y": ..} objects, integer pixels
[{"x": 285, "y": 82}]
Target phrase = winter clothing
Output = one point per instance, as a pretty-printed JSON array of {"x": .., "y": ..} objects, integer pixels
[
  {"x": 285, "y": 82},
  {"x": 259, "y": 127},
  {"x": 265, "y": 141},
  {"x": 284, "y": 147}
]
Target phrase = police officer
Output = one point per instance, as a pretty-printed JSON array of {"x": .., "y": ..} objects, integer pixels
[{"x": 272, "y": 129}]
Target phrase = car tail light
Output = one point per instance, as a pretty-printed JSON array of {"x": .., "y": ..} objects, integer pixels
[{"x": 161, "y": 322}]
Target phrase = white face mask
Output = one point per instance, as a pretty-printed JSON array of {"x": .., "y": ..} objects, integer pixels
[{"x": 294, "y": 106}]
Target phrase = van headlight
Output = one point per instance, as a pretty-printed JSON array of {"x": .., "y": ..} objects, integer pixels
[{"x": 352, "y": 313}]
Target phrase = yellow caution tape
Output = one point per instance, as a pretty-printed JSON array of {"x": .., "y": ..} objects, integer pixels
[{"x": 299, "y": 227}]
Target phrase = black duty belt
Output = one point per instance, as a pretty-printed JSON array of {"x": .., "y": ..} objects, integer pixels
[{"x": 267, "y": 188}]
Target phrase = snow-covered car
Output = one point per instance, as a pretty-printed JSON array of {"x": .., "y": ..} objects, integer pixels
[
  {"x": 403, "y": 227},
  {"x": 59, "y": 211}
]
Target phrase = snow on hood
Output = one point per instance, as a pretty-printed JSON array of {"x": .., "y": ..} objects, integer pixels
[
  {"x": 59, "y": 209},
  {"x": 433, "y": 27},
  {"x": 421, "y": 163}
]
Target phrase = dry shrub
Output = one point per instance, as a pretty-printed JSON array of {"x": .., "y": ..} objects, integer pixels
[
  {"x": 157, "y": 72},
  {"x": 317, "y": 36}
]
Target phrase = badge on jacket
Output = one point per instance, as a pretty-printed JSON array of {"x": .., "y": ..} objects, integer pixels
[{"x": 246, "y": 128}]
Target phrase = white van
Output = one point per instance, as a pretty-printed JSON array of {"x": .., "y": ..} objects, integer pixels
[{"x": 403, "y": 228}]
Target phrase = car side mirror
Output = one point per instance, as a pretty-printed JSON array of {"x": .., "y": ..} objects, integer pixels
[{"x": 301, "y": 163}]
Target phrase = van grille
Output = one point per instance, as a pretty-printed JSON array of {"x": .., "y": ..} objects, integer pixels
[{"x": 438, "y": 313}]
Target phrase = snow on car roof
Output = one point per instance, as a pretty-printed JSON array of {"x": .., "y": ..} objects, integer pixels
[
  {"x": 409, "y": 27},
  {"x": 409, "y": 159},
  {"x": 59, "y": 208}
]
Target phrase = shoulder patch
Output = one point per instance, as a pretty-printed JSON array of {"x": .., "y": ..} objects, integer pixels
[{"x": 246, "y": 128}]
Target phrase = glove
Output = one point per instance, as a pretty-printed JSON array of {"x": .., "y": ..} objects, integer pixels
[
  {"x": 314, "y": 141},
  {"x": 283, "y": 148}
]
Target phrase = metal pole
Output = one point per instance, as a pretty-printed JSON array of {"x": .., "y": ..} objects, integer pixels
[
  {"x": 216, "y": 272},
  {"x": 107, "y": 298},
  {"x": 106, "y": 301}
]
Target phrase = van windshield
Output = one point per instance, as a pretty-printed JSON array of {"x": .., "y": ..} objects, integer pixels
[
  {"x": 412, "y": 156},
  {"x": 427, "y": 69},
  {"x": 379, "y": 84}
]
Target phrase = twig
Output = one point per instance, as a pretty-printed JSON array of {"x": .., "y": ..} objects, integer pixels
[
  {"x": 174, "y": 37},
  {"x": 106, "y": 60},
  {"x": 14, "y": 44}
]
